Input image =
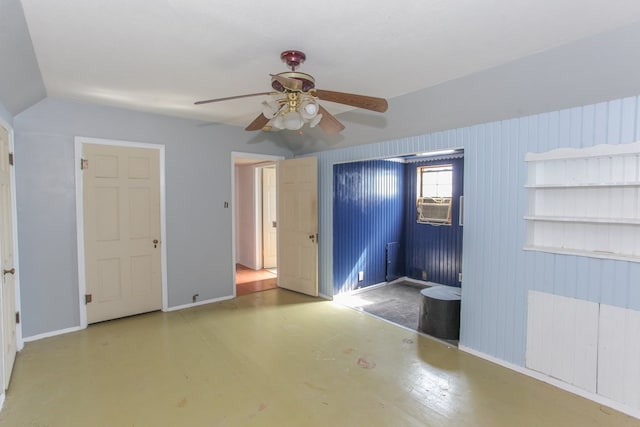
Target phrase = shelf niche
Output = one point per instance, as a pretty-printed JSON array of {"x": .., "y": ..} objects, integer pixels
[{"x": 585, "y": 201}]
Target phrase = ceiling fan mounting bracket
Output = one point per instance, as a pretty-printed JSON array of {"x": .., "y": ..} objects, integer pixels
[{"x": 293, "y": 58}]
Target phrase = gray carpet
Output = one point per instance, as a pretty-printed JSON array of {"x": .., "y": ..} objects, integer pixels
[{"x": 398, "y": 302}]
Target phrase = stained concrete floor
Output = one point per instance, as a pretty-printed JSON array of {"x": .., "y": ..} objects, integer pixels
[
  {"x": 275, "y": 358},
  {"x": 397, "y": 302}
]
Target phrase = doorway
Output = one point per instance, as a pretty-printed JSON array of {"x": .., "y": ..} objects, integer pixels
[
  {"x": 397, "y": 228},
  {"x": 255, "y": 222}
]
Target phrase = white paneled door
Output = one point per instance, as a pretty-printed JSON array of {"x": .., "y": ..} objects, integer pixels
[
  {"x": 269, "y": 221},
  {"x": 121, "y": 201},
  {"x": 7, "y": 263},
  {"x": 298, "y": 225}
]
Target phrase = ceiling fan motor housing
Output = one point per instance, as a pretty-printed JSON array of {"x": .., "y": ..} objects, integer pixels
[{"x": 308, "y": 82}]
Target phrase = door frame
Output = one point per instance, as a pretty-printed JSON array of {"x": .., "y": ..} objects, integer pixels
[
  {"x": 255, "y": 160},
  {"x": 16, "y": 257},
  {"x": 82, "y": 284}
]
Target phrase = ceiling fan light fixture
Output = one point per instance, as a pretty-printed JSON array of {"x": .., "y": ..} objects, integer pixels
[
  {"x": 314, "y": 122},
  {"x": 309, "y": 107},
  {"x": 278, "y": 122},
  {"x": 292, "y": 120},
  {"x": 270, "y": 109}
]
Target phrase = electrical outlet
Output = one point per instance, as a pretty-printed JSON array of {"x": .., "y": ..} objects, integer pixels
[
  {"x": 360, "y": 276},
  {"x": 424, "y": 276},
  {"x": 459, "y": 277}
]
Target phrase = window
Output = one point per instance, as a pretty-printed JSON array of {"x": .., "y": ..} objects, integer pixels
[{"x": 435, "y": 187}]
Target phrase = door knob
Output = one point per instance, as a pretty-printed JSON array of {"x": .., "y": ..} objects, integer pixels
[
  {"x": 12, "y": 271},
  {"x": 155, "y": 243}
]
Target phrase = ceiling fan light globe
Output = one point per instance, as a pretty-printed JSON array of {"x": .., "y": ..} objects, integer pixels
[
  {"x": 269, "y": 109},
  {"x": 278, "y": 122},
  {"x": 268, "y": 113},
  {"x": 292, "y": 120},
  {"x": 308, "y": 108},
  {"x": 314, "y": 122}
]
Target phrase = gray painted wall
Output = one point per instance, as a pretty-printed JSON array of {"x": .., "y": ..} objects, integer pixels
[
  {"x": 6, "y": 115},
  {"x": 21, "y": 83},
  {"x": 198, "y": 182},
  {"x": 497, "y": 272}
]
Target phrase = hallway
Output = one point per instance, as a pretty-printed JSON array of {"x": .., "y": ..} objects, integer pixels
[{"x": 249, "y": 281}]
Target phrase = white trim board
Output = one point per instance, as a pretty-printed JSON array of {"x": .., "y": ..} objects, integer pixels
[
  {"x": 82, "y": 285},
  {"x": 52, "y": 334},
  {"x": 554, "y": 382},
  {"x": 195, "y": 304}
]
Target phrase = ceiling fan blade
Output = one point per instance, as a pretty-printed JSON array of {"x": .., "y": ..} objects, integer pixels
[
  {"x": 258, "y": 123},
  {"x": 206, "y": 101},
  {"x": 329, "y": 123},
  {"x": 288, "y": 83},
  {"x": 360, "y": 101}
]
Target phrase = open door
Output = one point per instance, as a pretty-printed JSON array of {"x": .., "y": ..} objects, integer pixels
[
  {"x": 269, "y": 218},
  {"x": 7, "y": 263},
  {"x": 298, "y": 225}
]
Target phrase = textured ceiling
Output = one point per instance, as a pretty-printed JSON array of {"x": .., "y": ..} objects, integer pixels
[{"x": 161, "y": 56}]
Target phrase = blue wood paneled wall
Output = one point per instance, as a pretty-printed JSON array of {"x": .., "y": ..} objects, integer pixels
[
  {"x": 497, "y": 272},
  {"x": 367, "y": 214},
  {"x": 433, "y": 249}
]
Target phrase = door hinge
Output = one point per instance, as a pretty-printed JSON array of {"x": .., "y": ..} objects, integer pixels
[
  {"x": 11, "y": 161},
  {"x": 84, "y": 164},
  {"x": 87, "y": 298},
  {"x": 17, "y": 317}
]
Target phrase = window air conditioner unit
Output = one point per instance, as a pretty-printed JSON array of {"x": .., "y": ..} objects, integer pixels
[{"x": 434, "y": 210}]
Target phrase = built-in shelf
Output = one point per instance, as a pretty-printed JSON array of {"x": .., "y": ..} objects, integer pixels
[
  {"x": 624, "y": 221},
  {"x": 585, "y": 185},
  {"x": 593, "y": 254},
  {"x": 585, "y": 201}
]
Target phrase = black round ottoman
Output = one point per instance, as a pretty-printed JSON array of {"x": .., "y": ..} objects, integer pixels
[{"x": 440, "y": 312}]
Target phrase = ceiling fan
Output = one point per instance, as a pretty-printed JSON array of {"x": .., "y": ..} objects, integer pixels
[{"x": 294, "y": 101}]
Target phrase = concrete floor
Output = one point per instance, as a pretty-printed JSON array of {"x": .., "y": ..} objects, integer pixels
[
  {"x": 275, "y": 358},
  {"x": 396, "y": 302}
]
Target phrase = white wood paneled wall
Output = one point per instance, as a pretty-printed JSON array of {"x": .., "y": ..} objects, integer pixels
[
  {"x": 592, "y": 346},
  {"x": 562, "y": 338},
  {"x": 619, "y": 355}
]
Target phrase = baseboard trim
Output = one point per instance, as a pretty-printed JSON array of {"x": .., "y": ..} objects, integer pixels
[
  {"x": 360, "y": 290},
  {"x": 195, "y": 304},
  {"x": 416, "y": 281},
  {"x": 634, "y": 412},
  {"x": 52, "y": 334}
]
